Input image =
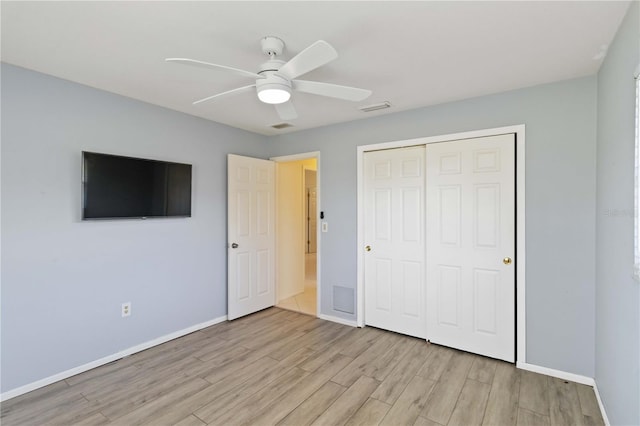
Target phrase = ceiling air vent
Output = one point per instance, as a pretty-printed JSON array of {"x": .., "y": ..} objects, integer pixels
[
  {"x": 375, "y": 107},
  {"x": 282, "y": 126}
]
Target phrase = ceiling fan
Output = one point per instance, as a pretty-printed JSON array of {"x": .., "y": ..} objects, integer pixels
[{"x": 276, "y": 78}]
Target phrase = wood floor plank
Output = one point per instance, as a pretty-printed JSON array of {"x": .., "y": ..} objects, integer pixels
[
  {"x": 332, "y": 336},
  {"x": 324, "y": 334},
  {"x": 265, "y": 334},
  {"x": 502, "y": 406},
  {"x": 229, "y": 355},
  {"x": 287, "y": 402},
  {"x": 397, "y": 380},
  {"x": 214, "y": 374},
  {"x": 534, "y": 392},
  {"x": 204, "y": 397},
  {"x": 212, "y": 349},
  {"x": 364, "y": 339},
  {"x": 348, "y": 403},
  {"x": 65, "y": 411},
  {"x": 337, "y": 347},
  {"x": 249, "y": 385},
  {"x": 30, "y": 409},
  {"x": 530, "y": 418},
  {"x": 423, "y": 421},
  {"x": 380, "y": 368},
  {"x": 95, "y": 376},
  {"x": 483, "y": 369},
  {"x": 589, "y": 405},
  {"x": 72, "y": 413},
  {"x": 152, "y": 410},
  {"x": 564, "y": 403},
  {"x": 259, "y": 340},
  {"x": 471, "y": 405},
  {"x": 370, "y": 414},
  {"x": 364, "y": 362},
  {"x": 95, "y": 419},
  {"x": 317, "y": 331},
  {"x": 44, "y": 398},
  {"x": 411, "y": 402},
  {"x": 174, "y": 349},
  {"x": 190, "y": 420},
  {"x": 119, "y": 388},
  {"x": 244, "y": 408},
  {"x": 313, "y": 406},
  {"x": 244, "y": 378},
  {"x": 242, "y": 329},
  {"x": 312, "y": 324},
  {"x": 445, "y": 394},
  {"x": 437, "y": 362}
]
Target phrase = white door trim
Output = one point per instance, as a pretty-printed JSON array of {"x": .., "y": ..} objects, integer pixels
[
  {"x": 306, "y": 156},
  {"x": 519, "y": 131}
]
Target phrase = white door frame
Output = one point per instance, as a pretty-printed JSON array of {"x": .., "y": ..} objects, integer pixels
[
  {"x": 297, "y": 157},
  {"x": 519, "y": 131},
  {"x": 304, "y": 180}
]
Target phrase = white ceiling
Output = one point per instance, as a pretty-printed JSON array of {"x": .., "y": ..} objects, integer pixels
[{"x": 411, "y": 54}]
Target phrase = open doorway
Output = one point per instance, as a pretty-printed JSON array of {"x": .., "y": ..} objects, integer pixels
[{"x": 296, "y": 235}]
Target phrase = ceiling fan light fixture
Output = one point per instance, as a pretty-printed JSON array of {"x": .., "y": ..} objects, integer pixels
[{"x": 273, "y": 93}]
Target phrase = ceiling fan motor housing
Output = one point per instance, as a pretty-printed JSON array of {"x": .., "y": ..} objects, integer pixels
[{"x": 272, "y": 46}]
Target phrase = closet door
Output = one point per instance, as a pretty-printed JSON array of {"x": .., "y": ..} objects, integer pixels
[
  {"x": 394, "y": 237},
  {"x": 470, "y": 262}
]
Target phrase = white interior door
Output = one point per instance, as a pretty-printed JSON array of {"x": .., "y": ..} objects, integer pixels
[
  {"x": 394, "y": 235},
  {"x": 251, "y": 235},
  {"x": 470, "y": 267}
]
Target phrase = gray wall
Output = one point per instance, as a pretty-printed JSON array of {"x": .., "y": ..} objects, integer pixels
[
  {"x": 63, "y": 280},
  {"x": 560, "y": 121},
  {"x": 617, "y": 293}
]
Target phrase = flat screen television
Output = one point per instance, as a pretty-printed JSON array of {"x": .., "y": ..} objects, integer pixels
[{"x": 116, "y": 187}]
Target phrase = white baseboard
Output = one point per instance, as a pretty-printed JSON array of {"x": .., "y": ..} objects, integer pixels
[
  {"x": 105, "y": 360},
  {"x": 342, "y": 321},
  {"x": 602, "y": 410},
  {"x": 557, "y": 373}
]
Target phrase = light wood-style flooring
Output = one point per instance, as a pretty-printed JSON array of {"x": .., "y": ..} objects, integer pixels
[{"x": 281, "y": 367}]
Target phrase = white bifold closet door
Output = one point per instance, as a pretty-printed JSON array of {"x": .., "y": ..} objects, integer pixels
[
  {"x": 470, "y": 263},
  {"x": 439, "y": 261},
  {"x": 394, "y": 235}
]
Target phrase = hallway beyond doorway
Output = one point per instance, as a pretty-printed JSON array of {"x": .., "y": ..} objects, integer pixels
[{"x": 304, "y": 302}]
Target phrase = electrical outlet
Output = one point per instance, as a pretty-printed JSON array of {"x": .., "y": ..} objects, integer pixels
[{"x": 126, "y": 309}]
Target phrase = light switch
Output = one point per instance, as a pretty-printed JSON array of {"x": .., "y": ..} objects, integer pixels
[{"x": 325, "y": 227}]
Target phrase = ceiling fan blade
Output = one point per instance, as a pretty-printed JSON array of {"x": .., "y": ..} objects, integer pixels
[
  {"x": 202, "y": 64},
  {"x": 227, "y": 93},
  {"x": 331, "y": 90},
  {"x": 286, "y": 111},
  {"x": 314, "y": 56}
]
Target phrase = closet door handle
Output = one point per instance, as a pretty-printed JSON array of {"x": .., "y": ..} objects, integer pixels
[{"x": 234, "y": 245}]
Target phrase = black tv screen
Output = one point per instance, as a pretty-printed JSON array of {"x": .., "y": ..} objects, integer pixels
[{"x": 116, "y": 187}]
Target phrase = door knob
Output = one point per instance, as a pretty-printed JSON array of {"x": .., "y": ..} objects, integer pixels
[
  {"x": 368, "y": 248},
  {"x": 506, "y": 261},
  {"x": 234, "y": 245}
]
